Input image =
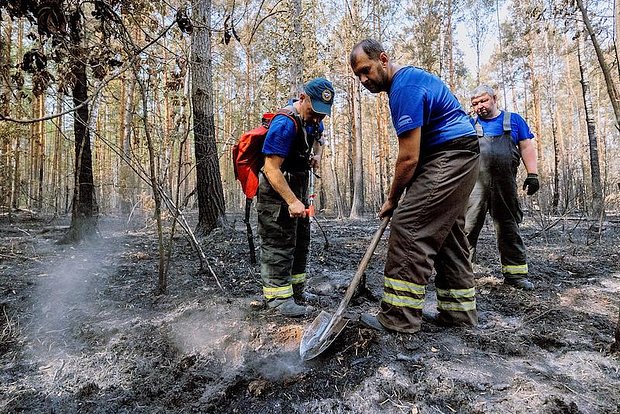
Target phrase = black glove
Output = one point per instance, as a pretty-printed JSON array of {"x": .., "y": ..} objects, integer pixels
[{"x": 531, "y": 184}]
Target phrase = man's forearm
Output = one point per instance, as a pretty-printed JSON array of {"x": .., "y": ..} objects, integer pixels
[
  {"x": 278, "y": 182},
  {"x": 403, "y": 173},
  {"x": 529, "y": 157},
  {"x": 406, "y": 163}
]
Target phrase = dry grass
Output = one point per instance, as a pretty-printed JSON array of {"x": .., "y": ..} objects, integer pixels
[{"x": 8, "y": 329}]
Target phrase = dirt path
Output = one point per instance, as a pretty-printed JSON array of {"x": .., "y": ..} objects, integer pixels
[{"x": 83, "y": 331}]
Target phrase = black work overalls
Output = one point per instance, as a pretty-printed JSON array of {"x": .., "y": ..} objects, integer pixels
[{"x": 496, "y": 192}]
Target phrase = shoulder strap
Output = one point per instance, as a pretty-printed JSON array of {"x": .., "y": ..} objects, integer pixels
[
  {"x": 291, "y": 113},
  {"x": 507, "y": 127},
  {"x": 478, "y": 127}
]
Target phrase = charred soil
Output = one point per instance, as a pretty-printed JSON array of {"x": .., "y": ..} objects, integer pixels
[{"x": 83, "y": 330}]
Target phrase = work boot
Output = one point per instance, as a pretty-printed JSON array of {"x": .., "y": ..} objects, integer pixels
[
  {"x": 521, "y": 283},
  {"x": 288, "y": 307},
  {"x": 433, "y": 317},
  {"x": 372, "y": 322},
  {"x": 437, "y": 319}
]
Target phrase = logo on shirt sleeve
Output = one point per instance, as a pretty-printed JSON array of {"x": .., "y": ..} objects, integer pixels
[{"x": 404, "y": 120}]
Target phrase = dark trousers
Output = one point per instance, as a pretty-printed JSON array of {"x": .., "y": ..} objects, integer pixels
[
  {"x": 426, "y": 232},
  {"x": 285, "y": 240},
  {"x": 496, "y": 192}
]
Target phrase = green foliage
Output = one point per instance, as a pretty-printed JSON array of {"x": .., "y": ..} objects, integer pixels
[{"x": 10, "y": 131}]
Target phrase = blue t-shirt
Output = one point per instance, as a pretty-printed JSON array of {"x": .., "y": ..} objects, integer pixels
[
  {"x": 519, "y": 129},
  {"x": 280, "y": 136},
  {"x": 282, "y": 132},
  {"x": 420, "y": 99}
]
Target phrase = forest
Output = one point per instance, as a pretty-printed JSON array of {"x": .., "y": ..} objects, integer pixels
[{"x": 127, "y": 282}]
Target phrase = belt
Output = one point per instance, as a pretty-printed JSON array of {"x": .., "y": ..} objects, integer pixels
[{"x": 468, "y": 143}]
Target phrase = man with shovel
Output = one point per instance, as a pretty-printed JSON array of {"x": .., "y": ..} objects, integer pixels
[
  {"x": 283, "y": 222},
  {"x": 436, "y": 168}
]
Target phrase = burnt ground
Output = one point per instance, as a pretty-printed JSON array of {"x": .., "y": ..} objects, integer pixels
[{"x": 84, "y": 332}]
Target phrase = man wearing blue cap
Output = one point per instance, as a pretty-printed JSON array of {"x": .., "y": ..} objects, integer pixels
[{"x": 291, "y": 149}]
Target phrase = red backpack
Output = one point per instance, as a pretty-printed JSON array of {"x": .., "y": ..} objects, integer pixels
[{"x": 248, "y": 156}]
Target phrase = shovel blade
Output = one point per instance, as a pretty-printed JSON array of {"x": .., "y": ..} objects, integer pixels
[{"x": 320, "y": 335}]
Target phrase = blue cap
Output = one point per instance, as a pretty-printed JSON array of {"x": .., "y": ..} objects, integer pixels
[{"x": 321, "y": 93}]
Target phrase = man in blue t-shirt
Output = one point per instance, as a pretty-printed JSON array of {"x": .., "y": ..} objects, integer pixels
[
  {"x": 292, "y": 148},
  {"x": 505, "y": 138},
  {"x": 436, "y": 169}
]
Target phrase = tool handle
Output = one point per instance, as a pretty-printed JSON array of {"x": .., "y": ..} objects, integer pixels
[
  {"x": 310, "y": 212},
  {"x": 361, "y": 268}
]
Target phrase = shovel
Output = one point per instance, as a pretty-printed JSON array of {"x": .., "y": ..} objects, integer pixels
[{"x": 325, "y": 328}]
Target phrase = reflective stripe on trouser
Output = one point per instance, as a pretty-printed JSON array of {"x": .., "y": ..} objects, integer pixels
[
  {"x": 298, "y": 279},
  {"x": 427, "y": 231},
  {"x": 278, "y": 292},
  {"x": 299, "y": 284},
  {"x": 456, "y": 299},
  {"x": 515, "y": 272},
  {"x": 284, "y": 240},
  {"x": 402, "y": 293},
  {"x": 496, "y": 192}
]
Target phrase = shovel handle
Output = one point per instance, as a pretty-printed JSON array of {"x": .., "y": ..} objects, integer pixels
[{"x": 362, "y": 267}]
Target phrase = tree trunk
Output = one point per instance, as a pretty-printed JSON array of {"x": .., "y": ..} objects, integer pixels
[
  {"x": 614, "y": 96},
  {"x": 551, "y": 66},
  {"x": 6, "y": 153},
  {"x": 15, "y": 177},
  {"x": 126, "y": 178},
  {"x": 616, "y": 35},
  {"x": 57, "y": 157},
  {"x": 15, "y": 170},
  {"x": 348, "y": 158},
  {"x": 211, "y": 208},
  {"x": 536, "y": 99},
  {"x": 477, "y": 27},
  {"x": 383, "y": 145},
  {"x": 332, "y": 166},
  {"x": 37, "y": 129},
  {"x": 556, "y": 167},
  {"x": 84, "y": 213},
  {"x": 597, "y": 192},
  {"x": 357, "y": 207},
  {"x": 449, "y": 46},
  {"x": 501, "y": 61},
  {"x": 162, "y": 280},
  {"x": 297, "y": 55}
]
